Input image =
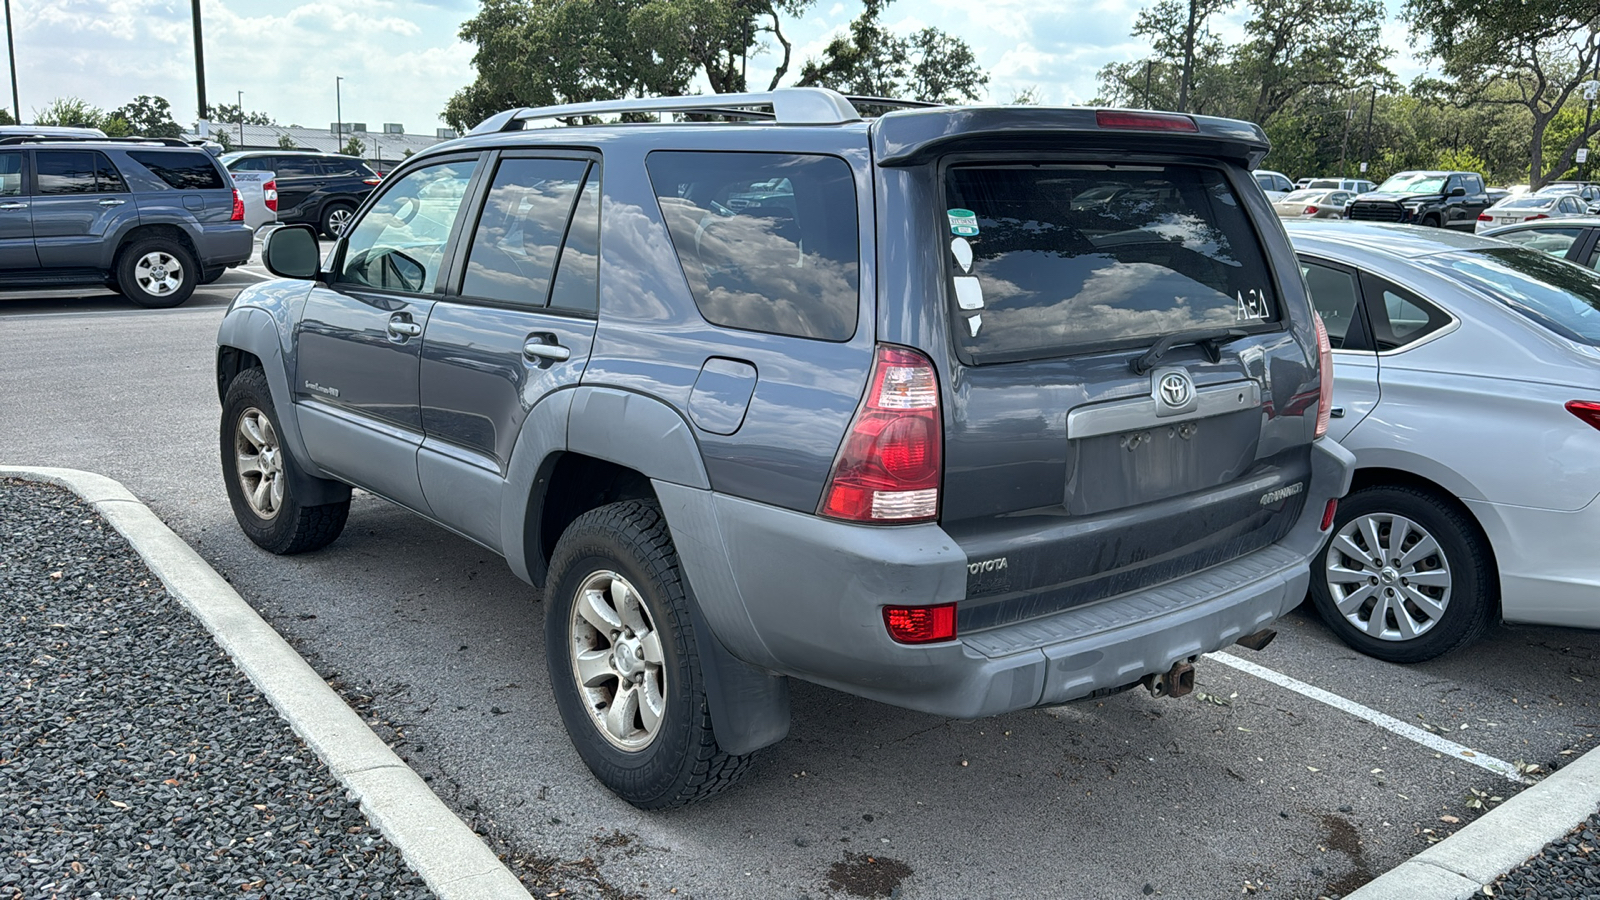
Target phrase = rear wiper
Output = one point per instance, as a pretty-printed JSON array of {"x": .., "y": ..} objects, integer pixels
[{"x": 1209, "y": 340}]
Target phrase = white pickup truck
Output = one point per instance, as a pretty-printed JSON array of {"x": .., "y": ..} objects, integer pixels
[{"x": 259, "y": 191}]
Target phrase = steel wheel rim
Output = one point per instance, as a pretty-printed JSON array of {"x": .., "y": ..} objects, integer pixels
[
  {"x": 1388, "y": 577},
  {"x": 259, "y": 459},
  {"x": 617, "y": 661},
  {"x": 338, "y": 220},
  {"x": 158, "y": 273}
]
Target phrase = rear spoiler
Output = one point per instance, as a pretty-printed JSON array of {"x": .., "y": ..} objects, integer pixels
[{"x": 912, "y": 137}]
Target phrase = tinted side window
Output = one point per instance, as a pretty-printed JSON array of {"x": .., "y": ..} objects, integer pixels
[
  {"x": 65, "y": 171},
  {"x": 578, "y": 274},
  {"x": 514, "y": 249},
  {"x": 106, "y": 177},
  {"x": 398, "y": 245},
  {"x": 1398, "y": 316},
  {"x": 1474, "y": 184},
  {"x": 1045, "y": 263},
  {"x": 182, "y": 170},
  {"x": 11, "y": 174},
  {"x": 345, "y": 167},
  {"x": 298, "y": 167},
  {"x": 1336, "y": 296},
  {"x": 251, "y": 164},
  {"x": 768, "y": 241},
  {"x": 1554, "y": 241}
]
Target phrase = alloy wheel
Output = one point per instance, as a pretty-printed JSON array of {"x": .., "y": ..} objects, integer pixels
[
  {"x": 617, "y": 661},
  {"x": 158, "y": 273},
  {"x": 260, "y": 463}
]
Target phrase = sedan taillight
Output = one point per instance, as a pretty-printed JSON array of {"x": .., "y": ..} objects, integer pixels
[
  {"x": 1309, "y": 211},
  {"x": 1587, "y": 410},
  {"x": 1485, "y": 218}
]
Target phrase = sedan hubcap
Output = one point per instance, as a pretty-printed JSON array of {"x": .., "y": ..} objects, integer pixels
[
  {"x": 260, "y": 463},
  {"x": 1388, "y": 576},
  {"x": 158, "y": 273},
  {"x": 617, "y": 661}
]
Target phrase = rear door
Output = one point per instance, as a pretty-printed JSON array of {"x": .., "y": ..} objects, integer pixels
[
  {"x": 1077, "y": 458},
  {"x": 16, "y": 214},
  {"x": 80, "y": 198},
  {"x": 358, "y": 342},
  {"x": 299, "y": 175},
  {"x": 518, "y": 326}
]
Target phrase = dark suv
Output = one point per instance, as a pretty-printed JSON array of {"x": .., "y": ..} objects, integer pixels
[
  {"x": 886, "y": 405},
  {"x": 149, "y": 218},
  {"x": 319, "y": 189},
  {"x": 1437, "y": 199}
]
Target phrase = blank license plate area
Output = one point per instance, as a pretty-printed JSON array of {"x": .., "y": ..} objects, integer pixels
[{"x": 1115, "y": 471}]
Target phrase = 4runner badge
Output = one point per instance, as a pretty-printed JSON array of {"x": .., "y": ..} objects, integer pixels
[
  {"x": 1283, "y": 493},
  {"x": 317, "y": 388}
]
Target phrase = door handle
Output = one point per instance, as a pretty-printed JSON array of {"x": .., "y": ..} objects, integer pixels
[
  {"x": 1336, "y": 412},
  {"x": 536, "y": 349},
  {"x": 112, "y": 201},
  {"x": 13, "y": 206},
  {"x": 401, "y": 328}
]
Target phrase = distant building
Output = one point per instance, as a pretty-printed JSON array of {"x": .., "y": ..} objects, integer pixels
[{"x": 382, "y": 150}]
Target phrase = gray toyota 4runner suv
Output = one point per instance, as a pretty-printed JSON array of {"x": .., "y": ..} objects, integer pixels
[{"x": 911, "y": 407}]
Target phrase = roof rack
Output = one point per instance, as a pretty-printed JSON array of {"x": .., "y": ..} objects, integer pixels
[
  {"x": 75, "y": 139},
  {"x": 788, "y": 106},
  {"x": 891, "y": 103}
]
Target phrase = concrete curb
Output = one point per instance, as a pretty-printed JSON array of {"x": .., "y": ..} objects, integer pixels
[
  {"x": 1511, "y": 833},
  {"x": 454, "y": 861}
]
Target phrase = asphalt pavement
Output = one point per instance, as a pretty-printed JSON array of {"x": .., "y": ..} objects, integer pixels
[{"x": 1296, "y": 779}]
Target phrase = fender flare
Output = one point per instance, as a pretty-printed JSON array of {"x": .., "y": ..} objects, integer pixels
[
  {"x": 256, "y": 332},
  {"x": 749, "y": 708}
]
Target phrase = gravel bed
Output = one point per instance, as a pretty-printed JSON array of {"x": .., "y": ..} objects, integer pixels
[
  {"x": 135, "y": 760},
  {"x": 1567, "y": 869}
]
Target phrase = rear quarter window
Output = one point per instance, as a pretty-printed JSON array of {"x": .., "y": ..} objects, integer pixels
[
  {"x": 769, "y": 242},
  {"x": 183, "y": 170},
  {"x": 1044, "y": 263}
]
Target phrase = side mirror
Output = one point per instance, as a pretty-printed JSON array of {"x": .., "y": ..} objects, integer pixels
[
  {"x": 1458, "y": 192},
  {"x": 291, "y": 252}
]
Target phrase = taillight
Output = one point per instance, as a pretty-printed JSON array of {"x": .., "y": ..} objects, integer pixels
[
  {"x": 269, "y": 192},
  {"x": 1587, "y": 410},
  {"x": 1143, "y": 121},
  {"x": 1484, "y": 218},
  {"x": 238, "y": 207},
  {"x": 1537, "y": 216},
  {"x": 1325, "y": 371},
  {"x": 1310, "y": 211},
  {"x": 373, "y": 180},
  {"x": 920, "y": 624},
  {"x": 892, "y": 458}
]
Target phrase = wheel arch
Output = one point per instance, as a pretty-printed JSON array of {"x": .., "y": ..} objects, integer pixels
[{"x": 166, "y": 230}]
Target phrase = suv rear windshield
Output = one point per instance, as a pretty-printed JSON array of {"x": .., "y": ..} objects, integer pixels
[
  {"x": 184, "y": 170},
  {"x": 1557, "y": 294},
  {"x": 1049, "y": 260}
]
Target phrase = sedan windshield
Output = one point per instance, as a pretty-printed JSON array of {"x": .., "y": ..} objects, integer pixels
[
  {"x": 1559, "y": 295},
  {"x": 1413, "y": 183}
]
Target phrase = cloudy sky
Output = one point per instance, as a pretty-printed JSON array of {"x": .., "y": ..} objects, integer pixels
[{"x": 401, "y": 59}]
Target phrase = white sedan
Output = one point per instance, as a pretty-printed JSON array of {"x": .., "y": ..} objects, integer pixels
[{"x": 1529, "y": 207}]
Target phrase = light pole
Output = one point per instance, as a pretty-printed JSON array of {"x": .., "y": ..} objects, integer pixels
[
  {"x": 203, "y": 126},
  {"x": 1591, "y": 92},
  {"x": 241, "y": 120},
  {"x": 11, "y": 54},
  {"x": 338, "y": 112}
]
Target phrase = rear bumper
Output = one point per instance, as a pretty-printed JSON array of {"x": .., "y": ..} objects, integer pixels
[
  {"x": 799, "y": 595},
  {"x": 221, "y": 246},
  {"x": 1548, "y": 571}
]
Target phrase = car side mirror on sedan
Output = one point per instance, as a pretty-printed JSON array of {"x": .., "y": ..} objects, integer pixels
[{"x": 291, "y": 252}]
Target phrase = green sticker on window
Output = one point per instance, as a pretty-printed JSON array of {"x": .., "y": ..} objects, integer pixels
[{"x": 963, "y": 222}]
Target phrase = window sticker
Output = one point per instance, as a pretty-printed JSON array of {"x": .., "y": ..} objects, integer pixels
[
  {"x": 975, "y": 323},
  {"x": 969, "y": 292},
  {"x": 963, "y": 253},
  {"x": 1252, "y": 305},
  {"x": 963, "y": 222}
]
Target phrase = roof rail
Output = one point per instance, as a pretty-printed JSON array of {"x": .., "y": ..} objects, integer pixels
[
  {"x": 891, "y": 103},
  {"x": 75, "y": 139},
  {"x": 789, "y": 106}
]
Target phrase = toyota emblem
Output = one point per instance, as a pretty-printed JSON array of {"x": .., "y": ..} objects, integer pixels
[{"x": 1176, "y": 389}]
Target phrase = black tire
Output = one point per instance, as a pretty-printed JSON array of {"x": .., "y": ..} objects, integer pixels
[
  {"x": 210, "y": 276},
  {"x": 331, "y": 214},
  {"x": 287, "y": 527},
  {"x": 1430, "y": 221},
  {"x": 1462, "y": 561},
  {"x": 681, "y": 762},
  {"x": 157, "y": 272}
]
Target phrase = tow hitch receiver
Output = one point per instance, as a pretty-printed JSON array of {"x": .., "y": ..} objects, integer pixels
[{"x": 1178, "y": 680}]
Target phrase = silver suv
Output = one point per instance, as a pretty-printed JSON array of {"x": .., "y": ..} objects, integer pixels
[{"x": 966, "y": 410}]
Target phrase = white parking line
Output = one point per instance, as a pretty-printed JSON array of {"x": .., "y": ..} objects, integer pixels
[{"x": 1387, "y": 722}]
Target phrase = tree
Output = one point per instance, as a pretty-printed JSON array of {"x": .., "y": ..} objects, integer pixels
[
  {"x": 287, "y": 143},
  {"x": 543, "y": 52},
  {"x": 872, "y": 61},
  {"x": 1531, "y": 54},
  {"x": 1028, "y": 96},
  {"x": 6, "y": 117},
  {"x": 354, "y": 147},
  {"x": 79, "y": 113},
  {"x": 150, "y": 116},
  {"x": 234, "y": 114},
  {"x": 1178, "y": 32},
  {"x": 1294, "y": 45}
]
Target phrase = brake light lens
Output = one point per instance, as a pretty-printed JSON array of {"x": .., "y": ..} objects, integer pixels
[
  {"x": 1537, "y": 216},
  {"x": 373, "y": 180},
  {"x": 1143, "y": 121},
  {"x": 920, "y": 624},
  {"x": 1587, "y": 410},
  {"x": 1325, "y": 373},
  {"x": 1310, "y": 211},
  {"x": 891, "y": 462},
  {"x": 238, "y": 207},
  {"x": 1485, "y": 218},
  {"x": 269, "y": 192}
]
